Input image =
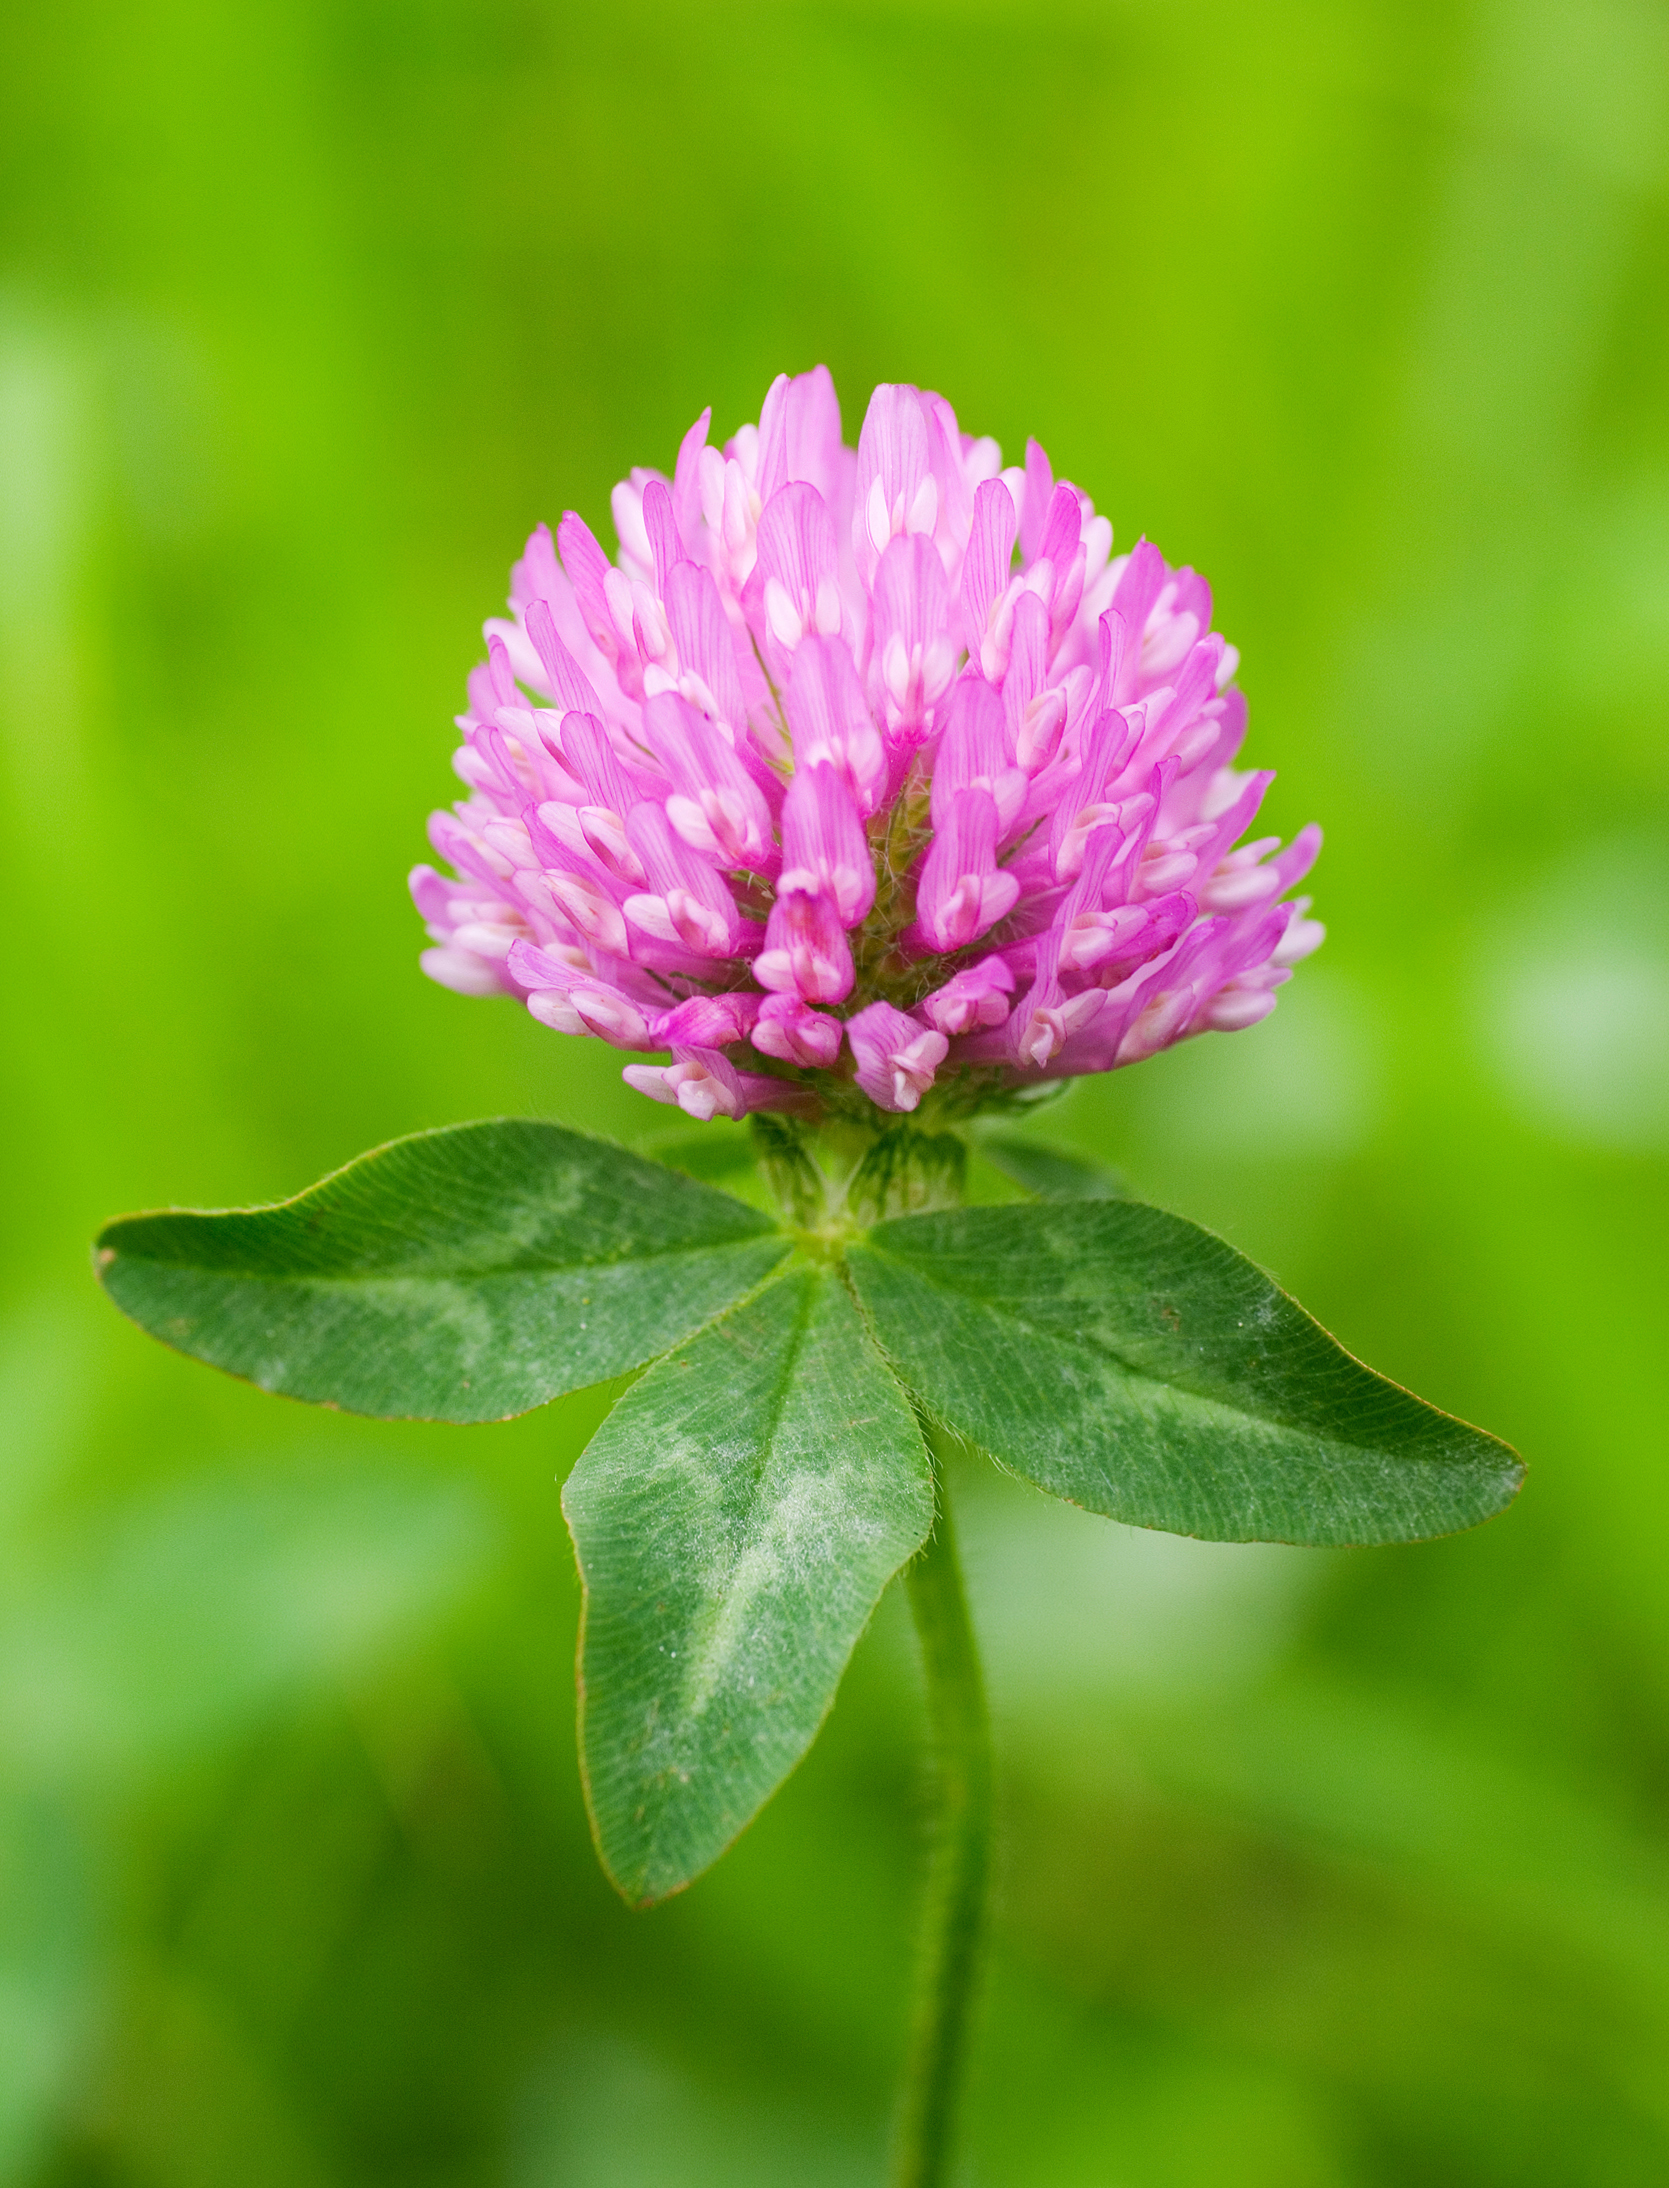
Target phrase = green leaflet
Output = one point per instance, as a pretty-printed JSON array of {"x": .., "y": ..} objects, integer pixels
[
  {"x": 1133, "y": 1363},
  {"x": 736, "y": 1518},
  {"x": 460, "y": 1275}
]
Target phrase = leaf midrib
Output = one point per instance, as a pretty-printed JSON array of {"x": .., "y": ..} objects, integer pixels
[
  {"x": 657, "y": 1835},
  {"x": 350, "y": 1277},
  {"x": 777, "y": 1399}
]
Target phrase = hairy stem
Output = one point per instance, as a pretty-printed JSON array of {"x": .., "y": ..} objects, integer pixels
[{"x": 953, "y": 1927}]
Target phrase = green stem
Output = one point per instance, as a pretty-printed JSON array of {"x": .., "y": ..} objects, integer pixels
[{"x": 953, "y": 1927}]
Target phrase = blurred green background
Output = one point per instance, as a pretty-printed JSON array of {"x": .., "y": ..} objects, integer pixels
[{"x": 1318, "y": 1869}]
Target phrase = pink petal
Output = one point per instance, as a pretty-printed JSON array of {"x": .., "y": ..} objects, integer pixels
[
  {"x": 896, "y": 1056},
  {"x": 538, "y": 575},
  {"x": 894, "y": 482},
  {"x": 1034, "y": 508},
  {"x": 590, "y": 753},
  {"x": 686, "y": 483},
  {"x": 806, "y": 952},
  {"x": 705, "y": 1084},
  {"x": 988, "y": 563},
  {"x": 824, "y": 849},
  {"x": 961, "y": 891},
  {"x": 1133, "y": 597},
  {"x": 973, "y": 754},
  {"x": 462, "y": 972},
  {"x": 1081, "y": 806},
  {"x": 574, "y": 999},
  {"x": 971, "y": 999},
  {"x": 794, "y": 590},
  {"x": 830, "y": 723},
  {"x": 716, "y": 807},
  {"x": 566, "y": 681},
  {"x": 707, "y": 1021},
  {"x": 705, "y": 643},
  {"x": 588, "y": 568},
  {"x": 799, "y": 435},
  {"x": 788, "y": 1029},
  {"x": 912, "y": 648},
  {"x": 685, "y": 902},
  {"x": 1047, "y": 1017},
  {"x": 665, "y": 546}
]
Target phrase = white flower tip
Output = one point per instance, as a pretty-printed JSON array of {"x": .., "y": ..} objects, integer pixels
[
  {"x": 461, "y": 971},
  {"x": 878, "y": 517},
  {"x": 700, "y": 1099},
  {"x": 552, "y": 1008},
  {"x": 650, "y": 1079},
  {"x": 1301, "y": 940},
  {"x": 782, "y": 615}
]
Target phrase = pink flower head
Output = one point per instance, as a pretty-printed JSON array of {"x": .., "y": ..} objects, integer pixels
[{"x": 859, "y": 779}]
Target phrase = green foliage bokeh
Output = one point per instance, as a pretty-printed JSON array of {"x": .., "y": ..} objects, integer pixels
[{"x": 1320, "y": 1869}]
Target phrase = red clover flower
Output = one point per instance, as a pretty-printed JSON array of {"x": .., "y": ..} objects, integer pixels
[{"x": 860, "y": 778}]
